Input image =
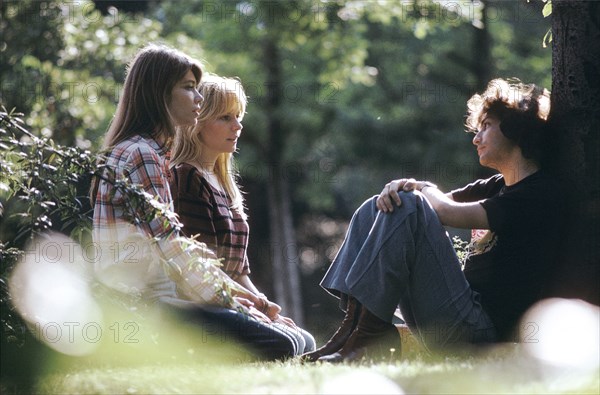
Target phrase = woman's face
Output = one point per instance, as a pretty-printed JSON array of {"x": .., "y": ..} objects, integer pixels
[
  {"x": 220, "y": 135},
  {"x": 184, "y": 105},
  {"x": 493, "y": 148}
]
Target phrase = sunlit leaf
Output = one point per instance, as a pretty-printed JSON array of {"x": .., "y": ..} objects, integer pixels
[
  {"x": 547, "y": 38},
  {"x": 547, "y": 10}
]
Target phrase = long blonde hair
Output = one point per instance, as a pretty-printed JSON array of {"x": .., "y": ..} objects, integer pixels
[{"x": 221, "y": 96}]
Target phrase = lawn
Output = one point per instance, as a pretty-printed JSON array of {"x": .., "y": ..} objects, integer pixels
[
  {"x": 502, "y": 370},
  {"x": 170, "y": 357}
]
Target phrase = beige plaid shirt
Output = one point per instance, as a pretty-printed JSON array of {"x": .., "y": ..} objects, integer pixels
[{"x": 147, "y": 258}]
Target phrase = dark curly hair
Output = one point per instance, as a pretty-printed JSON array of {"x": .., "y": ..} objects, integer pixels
[{"x": 522, "y": 110}]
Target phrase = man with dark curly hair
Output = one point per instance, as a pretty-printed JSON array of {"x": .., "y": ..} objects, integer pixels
[{"x": 397, "y": 253}]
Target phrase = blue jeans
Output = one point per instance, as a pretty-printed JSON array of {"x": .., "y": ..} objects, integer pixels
[
  {"x": 268, "y": 342},
  {"x": 405, "y": 259}
]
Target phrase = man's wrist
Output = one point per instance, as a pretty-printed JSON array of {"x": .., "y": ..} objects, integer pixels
[{"x": 425, "y": 184}]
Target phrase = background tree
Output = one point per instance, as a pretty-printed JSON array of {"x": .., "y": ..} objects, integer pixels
[
  {"x": 292, "y": 57},
  {"x": 575, "y": 115}
]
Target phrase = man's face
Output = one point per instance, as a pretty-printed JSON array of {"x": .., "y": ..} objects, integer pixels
[{"x": 494, "y": 149}]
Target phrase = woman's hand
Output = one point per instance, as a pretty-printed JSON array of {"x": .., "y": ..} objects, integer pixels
[
  {"x": 273, "y": 310},
  {"x": 267, "y": 307},
  {"x": 286, "y": 321},
  {"x": 243, "y": 302},
  {"x": 266, "y": 311},
  {"x": 388, "y": 198},
  {"x": 247, "y": 306},
  {"x": 259, "y": 315}
]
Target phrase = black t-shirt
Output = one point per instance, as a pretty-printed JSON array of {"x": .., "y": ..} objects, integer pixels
[{"x": 510, "y": 269}]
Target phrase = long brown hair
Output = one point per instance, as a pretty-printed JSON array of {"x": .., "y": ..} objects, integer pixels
[{"x": 143, "y": 105}]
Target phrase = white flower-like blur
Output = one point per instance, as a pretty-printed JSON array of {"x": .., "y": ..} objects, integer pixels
[
  {"x": 49, "y": 289},
  {"x": 563, "y": 333}
]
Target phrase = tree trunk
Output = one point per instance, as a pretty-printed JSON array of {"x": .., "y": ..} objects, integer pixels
[
  {"x": 284, "y": 251},
  {"x": 575, "y": 117},
  {"x": 482, "y": 64}
]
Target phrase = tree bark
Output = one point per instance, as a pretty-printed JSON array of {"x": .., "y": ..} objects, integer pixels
[
  {"x": 482, "y": 64},
  {"x": 284, "y": 251},
  {"x": 575, "y": 117}
]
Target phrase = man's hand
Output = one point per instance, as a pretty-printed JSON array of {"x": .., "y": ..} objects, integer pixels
[{"x": 388, "y": 198}]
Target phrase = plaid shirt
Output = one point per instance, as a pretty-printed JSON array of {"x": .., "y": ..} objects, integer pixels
[
  {"x": 132, "y": 257},
  {"x": 206, "y": 213}
]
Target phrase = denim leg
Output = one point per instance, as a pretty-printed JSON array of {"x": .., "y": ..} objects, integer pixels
[
  {"x": 405, "y": 259},
  {"x": 266, "y": 341},
  {"x": 305, "y": 342},
  {"x": 309, "y": 341},
  {"x": 293, "y": 334},
  {"x": 360, "y": 226}
]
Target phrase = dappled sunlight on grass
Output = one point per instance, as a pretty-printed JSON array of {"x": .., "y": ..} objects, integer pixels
[
  {"x": 506, "y": 370},
  {"x": 104, "y": 346}
]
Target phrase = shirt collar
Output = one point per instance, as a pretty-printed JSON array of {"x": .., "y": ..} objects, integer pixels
[{"x": 160, "y": 147}]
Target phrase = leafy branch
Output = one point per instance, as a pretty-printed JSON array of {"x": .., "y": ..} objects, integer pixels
[
  {"x": 44, "y": 186},
  {"x": 45, "y": 178},
  {"x": 546, "y": 12},
  {"x": 461, "y": 248}
]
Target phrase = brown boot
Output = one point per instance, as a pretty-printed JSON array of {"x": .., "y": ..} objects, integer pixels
[
  {"x": 339, "y": 338},
  {"x": 373, "y": 338}
]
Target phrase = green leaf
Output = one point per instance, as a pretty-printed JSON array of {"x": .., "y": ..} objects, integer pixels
[
  {"x": 547, "y": 38},
  {"x": 547, "y": 10}
]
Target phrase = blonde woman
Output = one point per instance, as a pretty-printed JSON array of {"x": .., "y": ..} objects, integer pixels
[{"x": 207, "y": 197}]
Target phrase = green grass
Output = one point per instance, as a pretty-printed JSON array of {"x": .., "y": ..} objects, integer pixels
[
  {"x": 170, "y": 357},
  {"x": 501, "y": 371}
]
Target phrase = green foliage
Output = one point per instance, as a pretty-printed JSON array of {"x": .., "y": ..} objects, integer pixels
[
  {"x": 546, "y": 12},
  {"x": 462, "y": 249},
  {"x": 62, "y": 65},
  {"x": 42, "y": 178},
  {"x": 517, "y": 28},
  {"x": 40, "y": 190},
  {"x": 44, "y": 187}
]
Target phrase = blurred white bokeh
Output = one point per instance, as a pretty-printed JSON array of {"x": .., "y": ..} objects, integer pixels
[
  {"x": 49, "y": 289},
  {"x": 563, "y": 333}
]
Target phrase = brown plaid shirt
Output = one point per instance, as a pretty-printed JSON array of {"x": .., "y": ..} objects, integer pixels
[{"x": 206, "y": 213}]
